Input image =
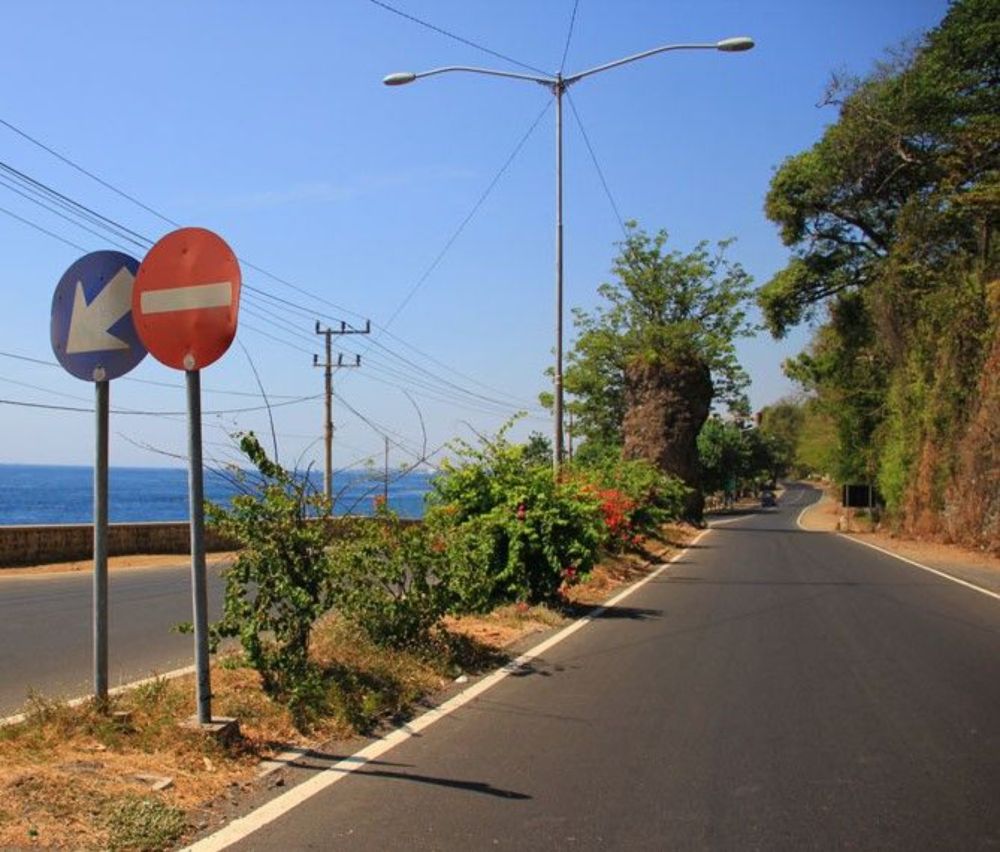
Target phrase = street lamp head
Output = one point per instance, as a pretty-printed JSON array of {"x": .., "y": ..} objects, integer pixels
[
  {"x": 401, "y": 78},
  {"x": 733, "y": 45}
]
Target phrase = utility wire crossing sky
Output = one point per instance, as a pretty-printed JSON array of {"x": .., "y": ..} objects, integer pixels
[{"x": 428, "y": 210}]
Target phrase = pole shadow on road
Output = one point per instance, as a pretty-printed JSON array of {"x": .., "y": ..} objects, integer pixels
[{"x": 314, "y": 761}]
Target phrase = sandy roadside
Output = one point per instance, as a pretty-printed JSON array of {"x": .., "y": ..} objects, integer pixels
[{"x": 116, "y": 563}]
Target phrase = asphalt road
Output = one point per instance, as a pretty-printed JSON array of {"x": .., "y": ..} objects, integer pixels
[
  {"x": 46, "y": 629},
  {"x": 773, "y": 689}
]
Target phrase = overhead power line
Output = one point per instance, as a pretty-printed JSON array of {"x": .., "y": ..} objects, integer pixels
[
  {"x": 468, "y": 218},
  {"x": 569, "y": 36},
  {"x": 597, "y": 165},
  {"x": 83, "y": 171},
  {"x": 451, "y": 35},
  {"x": 136, "y": 412},
  {"x": 38, "y": 227},
  {"x": 82, "y": 216}
]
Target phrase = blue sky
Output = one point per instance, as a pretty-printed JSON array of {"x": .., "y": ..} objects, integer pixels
[{"x": 269, "y": 125}]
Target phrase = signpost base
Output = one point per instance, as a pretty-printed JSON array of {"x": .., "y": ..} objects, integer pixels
[{"x": 223, "y": 729}]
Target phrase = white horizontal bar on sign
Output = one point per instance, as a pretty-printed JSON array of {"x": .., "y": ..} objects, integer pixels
[{"x": 199, "y": 296}]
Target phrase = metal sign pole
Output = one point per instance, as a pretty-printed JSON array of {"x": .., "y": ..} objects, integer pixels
[
  {"x": 101, "y": 544},
  {"x": 199, "y": 593}
]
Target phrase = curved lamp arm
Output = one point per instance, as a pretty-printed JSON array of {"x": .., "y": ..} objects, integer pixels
[
  {"x": 727, "y": 44},
  {"x": 404, "y": 77}
]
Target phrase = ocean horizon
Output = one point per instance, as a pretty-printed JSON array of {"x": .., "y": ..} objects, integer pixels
[{"x": 33, "y": 494}]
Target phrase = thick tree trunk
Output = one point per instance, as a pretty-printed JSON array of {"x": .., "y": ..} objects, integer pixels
[{"x": 666, "y": 404}]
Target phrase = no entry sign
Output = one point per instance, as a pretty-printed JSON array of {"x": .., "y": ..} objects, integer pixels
[{"x": 186, "y": 298}]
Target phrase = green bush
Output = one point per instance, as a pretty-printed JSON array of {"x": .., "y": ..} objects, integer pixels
[
  {"x": 656, "y": 497},
  {"x": 389, "y": 579},
  {"x": 280, "y": 582},
  {"x": 512, "y": 533}
]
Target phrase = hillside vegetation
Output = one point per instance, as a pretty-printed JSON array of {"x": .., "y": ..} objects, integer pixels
[{"x": 890, "y": 217}]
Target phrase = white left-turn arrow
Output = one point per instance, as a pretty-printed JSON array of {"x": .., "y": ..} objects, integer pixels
[{"x": 89, "y": 324}]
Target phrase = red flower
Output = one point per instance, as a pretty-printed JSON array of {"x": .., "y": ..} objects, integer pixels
[{"x": 522, "y": 512}]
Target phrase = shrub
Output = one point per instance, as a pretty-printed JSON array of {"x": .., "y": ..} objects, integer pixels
[
  {"x": 280, "y": 582},
  {"x": 387, "y": 579},
  {"x": 511, "y": 530},
  {"x": 635, "y": 492}
]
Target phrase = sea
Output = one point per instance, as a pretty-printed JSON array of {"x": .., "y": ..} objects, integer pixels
[{"x": 59, "y": 494}]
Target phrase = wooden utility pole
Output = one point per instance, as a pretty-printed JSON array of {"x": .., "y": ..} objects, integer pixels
[
  {"x": 385, "y": 490},
  {"x": 328, "y": 367}
]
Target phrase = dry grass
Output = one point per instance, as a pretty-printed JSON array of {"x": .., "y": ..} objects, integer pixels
[{"x": 68, "y": 776}]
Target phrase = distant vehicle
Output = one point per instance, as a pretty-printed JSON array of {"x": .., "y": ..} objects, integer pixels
[{"x": 767, "y": 499}]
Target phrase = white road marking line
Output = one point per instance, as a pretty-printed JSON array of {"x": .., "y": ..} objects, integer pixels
[
  {"x": 278, "y": 807},
  {"x": 951, "y": 577},
  {"x": 200, "y": 296},
  {"x": 915, "y": 564},
  {"x": 727, "y": 521},
  {"x": 118, "y": 690}
]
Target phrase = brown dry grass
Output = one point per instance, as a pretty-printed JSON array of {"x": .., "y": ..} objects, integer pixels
[
  {"x": 64, "y": 770},
  {"x": 68, "y": 775}
]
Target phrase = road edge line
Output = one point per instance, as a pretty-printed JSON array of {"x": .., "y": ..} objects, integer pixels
[
  {"x": 267, "y": 813},
  {"x": 923, "y": 567},
  {"x": 17, "y": 718}
]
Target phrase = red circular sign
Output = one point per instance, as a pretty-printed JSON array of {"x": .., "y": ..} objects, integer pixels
[{"x": 186, "y": 298}]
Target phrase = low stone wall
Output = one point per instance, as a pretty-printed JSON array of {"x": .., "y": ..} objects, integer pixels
[{"x": 38, "y": 545}]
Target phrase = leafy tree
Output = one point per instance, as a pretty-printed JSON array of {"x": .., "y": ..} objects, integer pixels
[
  {"x": 908, "y": 174},
  {"x": 661, "y": 306},
  {"x": 781, "y": 426},
  {"x": 722, "y": 453},
  {"x": 538, "y": 450},
  {"x": 736, "y": 457},
  {"x": 890, "y": 218}
]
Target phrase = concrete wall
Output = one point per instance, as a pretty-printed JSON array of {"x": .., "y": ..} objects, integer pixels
[{"x": 37, "y": 545}]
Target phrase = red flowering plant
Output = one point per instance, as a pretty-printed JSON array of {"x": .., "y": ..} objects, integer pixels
[
  {"x": 635, "y": 497},
  {"x": 617, "y": 509}
]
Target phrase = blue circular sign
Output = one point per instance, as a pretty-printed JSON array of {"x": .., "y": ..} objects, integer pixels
[{"x": 91, "y": 330}]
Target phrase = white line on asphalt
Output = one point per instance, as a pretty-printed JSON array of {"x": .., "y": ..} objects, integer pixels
[
  {"x": 727, "y": 521},
  {"x": 915, "y": 564},
  {"x": 218, "y": 295},
  {"x": 118, "y": 690},
  {"x": 245, "y": 826},
  {"x": 951, "y": 577}
]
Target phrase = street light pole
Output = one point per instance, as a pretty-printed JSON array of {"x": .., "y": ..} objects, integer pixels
[
  {"x": 558, "y": 86},
  {"x": 557, "y": 385}
]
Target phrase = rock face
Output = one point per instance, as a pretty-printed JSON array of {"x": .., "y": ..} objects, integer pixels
[{"x": 666, "y": 406}]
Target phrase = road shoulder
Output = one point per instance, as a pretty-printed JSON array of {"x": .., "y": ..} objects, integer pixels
[{"x": 972, "y": 566}]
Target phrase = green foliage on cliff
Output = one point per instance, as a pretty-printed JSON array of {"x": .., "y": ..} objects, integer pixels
[{"x": 890, "y": 218}]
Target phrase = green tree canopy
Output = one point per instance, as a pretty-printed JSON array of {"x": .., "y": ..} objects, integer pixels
[
  {"x": 908, "y": 174},
  {"x": 660, "y": 305}
]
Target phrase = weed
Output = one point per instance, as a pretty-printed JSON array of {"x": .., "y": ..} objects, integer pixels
[{"x": 142, "y": 823}]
